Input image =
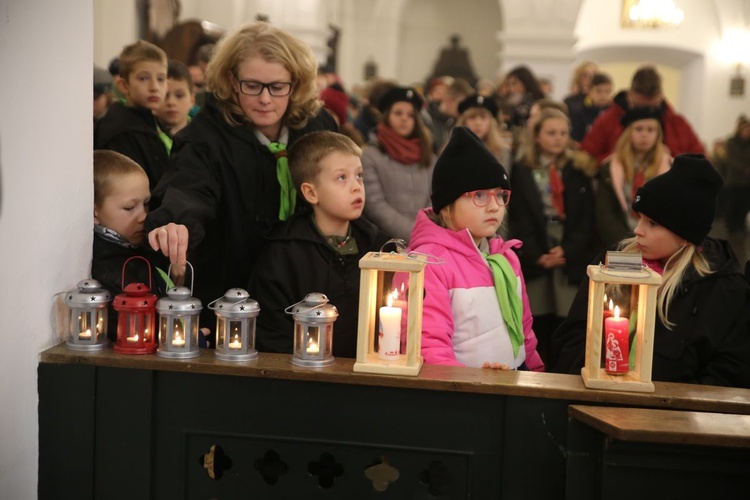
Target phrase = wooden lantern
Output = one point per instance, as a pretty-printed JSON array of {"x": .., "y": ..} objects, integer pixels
[
  {"x": 645, "y": 283},
  {"x": 372, "y": 294}
]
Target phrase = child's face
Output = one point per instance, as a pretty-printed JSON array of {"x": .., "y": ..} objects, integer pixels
[
  {"x": 553, "y": 136},
  {"x": 177, "y": 104},
  {"x": 338, "y": 192},
  {"x": 146, "y": 85},
  {"x": 401, "y": 118},
  {"x": 644, "y": 134},
  {"x": 124, "y": 209},
  {"x": 479, "y": 123},
  {"x": 601, "y": 95},
  {"x": 655, "y": 241},
  {"x": 481, "y": 221}
]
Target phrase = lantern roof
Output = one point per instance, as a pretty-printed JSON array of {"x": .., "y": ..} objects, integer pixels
[
  {"x": 178, "y": 300},
  {"x": 315, "y": 308},
  {"x": 236, "y": 303},
  {"x": 89, "y": 293}
]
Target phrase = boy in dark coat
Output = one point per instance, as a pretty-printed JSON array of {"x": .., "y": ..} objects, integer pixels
[
  {"x": 317, "y": 251},
  {"x": 132, "y": 129}
]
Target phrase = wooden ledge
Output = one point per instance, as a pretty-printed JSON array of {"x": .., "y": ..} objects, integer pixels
[
  {"x": 432, "y": 377},
  {"x": 666, "y": 426}
]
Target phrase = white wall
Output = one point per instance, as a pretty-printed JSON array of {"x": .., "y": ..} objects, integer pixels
[{"x": 45, "y": 203}]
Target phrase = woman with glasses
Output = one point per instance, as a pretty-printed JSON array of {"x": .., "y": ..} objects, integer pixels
[
  {"x": 475, "y": 312},
  {"x": 229, "y": 181},
  {"x": 398, "y": 163},
  {"x": 553, "y": 215}
]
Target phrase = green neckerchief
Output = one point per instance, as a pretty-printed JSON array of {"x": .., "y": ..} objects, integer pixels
[
  {"x": 343, "y": 245},
  {"x": 506, "y": 283},
  {"x": 165, "y": 139},
  {"x": 288, "y": 198}
]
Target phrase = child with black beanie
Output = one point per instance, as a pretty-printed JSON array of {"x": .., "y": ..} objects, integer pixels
[
  {"x": 702, "y": 332},
  {"x": 476, "y": 312}
]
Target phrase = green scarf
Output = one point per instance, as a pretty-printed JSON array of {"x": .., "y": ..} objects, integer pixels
[
  {"x": 506, "y": 283},
  {"x": 165, "y": 139},
  {"x": 288, "y": 193}
]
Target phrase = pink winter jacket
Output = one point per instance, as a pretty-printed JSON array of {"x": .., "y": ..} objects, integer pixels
[{"x": 462, "y": 324}]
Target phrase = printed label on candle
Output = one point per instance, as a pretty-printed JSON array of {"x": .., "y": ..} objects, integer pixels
[
  {"x": 389, "y": 331},
  {"x": 616, "y": 333}
]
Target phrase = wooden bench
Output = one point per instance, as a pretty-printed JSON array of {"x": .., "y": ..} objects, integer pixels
[{"x": 651, "y": 453}]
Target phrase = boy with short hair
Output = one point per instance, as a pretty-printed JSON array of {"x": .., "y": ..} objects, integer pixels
[
  {"x": 174, "y": 114},
  {"x": 121, "y": 197},
  {"x": 318, "y": 250},
  {"x": 132, "y": 129},
  {"x": 597, "y": 100}
]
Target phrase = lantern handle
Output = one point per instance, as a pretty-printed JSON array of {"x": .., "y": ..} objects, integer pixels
[
  {"x": 288, "y": 310},
  {"x": 192, "y": 274},
  {"x": 211, "y": 304},
  {"x": 401, "y": 249},
  {"x": 122, "y": 283}
]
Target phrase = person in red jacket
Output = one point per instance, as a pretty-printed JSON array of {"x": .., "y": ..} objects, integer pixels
[{"x": 645, "y": 90}]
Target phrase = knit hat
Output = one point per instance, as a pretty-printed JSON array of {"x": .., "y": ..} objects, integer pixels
[
  {"x": 465, "y": 165},
  {"x": 398, "y": 94},
  {"x": 642, "y": 113},
  {"x": 335, "y": 99},
  {"x": 683, "y": 199},
  {"x": 478, "y": 101}
]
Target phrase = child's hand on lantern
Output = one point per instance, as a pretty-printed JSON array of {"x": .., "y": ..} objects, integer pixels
[
  {"x": 495, "y": 366},
  {"x": 172, "y": 240}
]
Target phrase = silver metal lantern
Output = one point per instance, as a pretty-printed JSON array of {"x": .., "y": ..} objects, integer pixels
[
  {"x": 313, "y": 330},
  {"x": 179, "y": 315},
  {"x": 235, "y": 313},
  {"x": 87, "y": 317}
]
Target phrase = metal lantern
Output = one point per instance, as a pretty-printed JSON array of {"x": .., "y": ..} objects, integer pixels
[
  {"x": 235, "y": 325},
  {"x": 313, "y": 330},
  {"x": 611, "y": 369},
  {"x": 179, "y": 315},
  {"x": 87, "y": 319},
  {"x": 136, "y": 316},
  {"x": 380, "y": 316}
]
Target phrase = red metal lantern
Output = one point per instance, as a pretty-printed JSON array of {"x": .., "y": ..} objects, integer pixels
[{"x": 136, "y": 316}]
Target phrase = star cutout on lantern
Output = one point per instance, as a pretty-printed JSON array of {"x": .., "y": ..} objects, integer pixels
[
  {"x": 171, "y": 307},
  {"x": 221, "y": 306},
  {"x": 318, "y": 313},
  {"x": 93, "y": 298},
  {"x": 192, "y": 306},
  {"x": 174, "y": 288},
  {"x": 239, "y": 293},
  {"x": 85, "y": 283},
  {"x": 124, "y": 302},
  {"x": 242, "y": 308},
  {"x": 139, "y": 287},
  {"x": 145, "y": 302},
  {"x": 70, "y": 297}
]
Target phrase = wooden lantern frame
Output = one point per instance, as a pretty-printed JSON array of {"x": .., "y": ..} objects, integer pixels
[
  {"x": 639, "y": 378},
  {"x": 371, "y": 265}
]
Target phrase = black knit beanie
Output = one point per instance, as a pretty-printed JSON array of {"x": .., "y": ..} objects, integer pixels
[
  {"x": 465, "y": 165},
  {"x": 683, "y": 199},
  {"x": 642, "y": 113}
]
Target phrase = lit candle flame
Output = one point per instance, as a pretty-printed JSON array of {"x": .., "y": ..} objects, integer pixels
[
  {"x": 617, "y": 311},
  {"x": 610, "y": 304},
  {"x": 391, "y": 297}
]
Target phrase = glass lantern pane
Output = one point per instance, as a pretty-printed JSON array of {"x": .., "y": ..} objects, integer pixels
[
  {"x": 299, "y": 338},
  {"x": 146, "y": 321},
  {"x": 620, "y": 312},
  {"x": 163, "y": 330},
  {"x": 178, "y": 333},
  {"x": 221, "y": 333},
  {"x": 392, "y": 302},
  {"x": 101, "y": 323},
  {"x": 328, "y": 338},
  {"x": 236, "y": 338},
  {"x": 312, "y": 346},
  {"x": 191, "y": 325},
  {"x": 251, "y": 334}
]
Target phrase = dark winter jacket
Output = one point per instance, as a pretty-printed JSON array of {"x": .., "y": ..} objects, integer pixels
[
  {"x": 710, "y": 343},
  {"x": 582, "y": 117},
  {"x": 133, "y": 132},
  {"x": 298, "y": 261},
  {"x": 107, "y": 268},
  {"x": 600, "y": 141},
  {"x": 529, "y": 224},
  {"x": 222, "y": 185}
]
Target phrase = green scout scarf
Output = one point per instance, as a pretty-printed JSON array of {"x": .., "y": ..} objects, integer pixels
[
  {"x": 511, "y": 307},
  {"x": 288, "y": 193}
]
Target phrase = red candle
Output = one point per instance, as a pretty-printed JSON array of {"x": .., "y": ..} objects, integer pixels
[{"x": 616, "y": 356}]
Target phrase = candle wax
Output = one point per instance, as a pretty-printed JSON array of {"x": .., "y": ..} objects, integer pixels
[
  {"x": 616, "y": 335},
  {"x": 235, "y": 344},
  {"x": 389, "y": 334},
  {"x": 85, "y": 335}
]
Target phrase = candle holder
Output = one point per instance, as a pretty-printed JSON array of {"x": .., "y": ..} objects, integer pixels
[
  {"x": 383, "y": 275},
  {"x": 136, "y": 315},
  {"x": 313, "y": 331},
  {"x": 87, "y": 317},
  {"x": 612, "y": 371},
  {"x": 236, "y": 314},
  {"x": 179, "y": 315}
]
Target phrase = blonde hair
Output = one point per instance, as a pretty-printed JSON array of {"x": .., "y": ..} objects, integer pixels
[
  {"x": 533, "y": 151},
  {"x": 138, "y": 52},
  {"x": 262, "y": 40},
  {"x": 492, "y": 139},
  {"x": 420, "y": 132},
  {"x": 109, "y": 167},
  {"x": 307, "y": 152},
  {"x": 685, "y": 257},
  {"x": 624, "y": 152},
  {"x": 575, "y": 84}
]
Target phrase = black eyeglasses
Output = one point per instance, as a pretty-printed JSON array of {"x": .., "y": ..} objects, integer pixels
[
  {"x": 481, "y": 198},
  {"x": 276, "y": 89}
]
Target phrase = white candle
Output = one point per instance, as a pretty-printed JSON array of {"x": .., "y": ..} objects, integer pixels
[
  {"x": 85, "y": 335},
  {"x": 133, "y": 339},
  {"x": 235, "y": 344},
  {"x": 178, "y": 340},
  {"x": 389, "y": 334},
  {"x": 312, "y": 347}
]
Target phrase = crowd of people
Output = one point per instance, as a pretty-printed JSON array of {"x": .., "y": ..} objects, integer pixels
[{"x": 267, "y": 173}]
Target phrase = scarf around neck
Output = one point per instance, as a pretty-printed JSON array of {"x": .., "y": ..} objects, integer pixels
[
  {"x": 511, "y": 307},
  {"x": 403, "y": 150},
  {"x": 288, "y": 195}
]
